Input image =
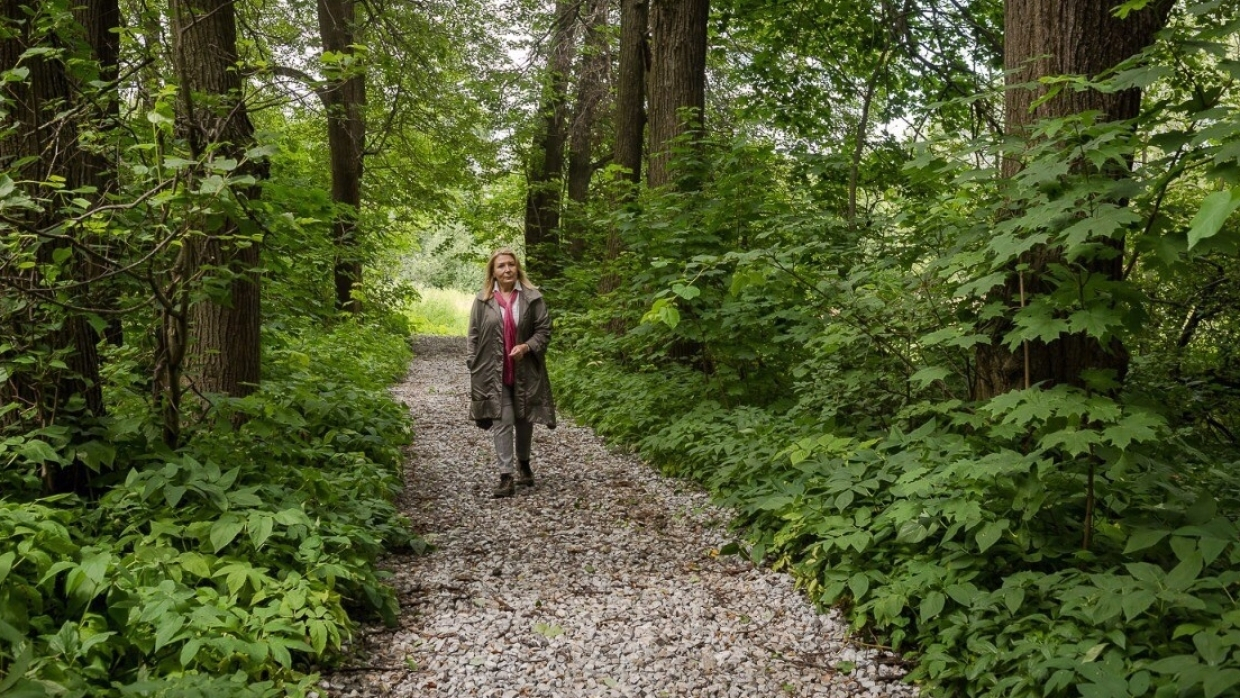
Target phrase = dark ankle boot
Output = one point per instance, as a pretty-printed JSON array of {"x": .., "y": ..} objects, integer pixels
[
  {"x": 505, "y": 488},
  {"x": 525, "y": 476}
]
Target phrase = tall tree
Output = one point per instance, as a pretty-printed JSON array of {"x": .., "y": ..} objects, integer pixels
[
  {"x": 677, "y": 79},
  {"x": 631, "y": 87},
  {"x": 546, "y": 168},
  {"x": 344, "y": 98},
  {"x": 1046, "y": 38},
  {"x": 40, "y": 147},
  {"x": 591, "y": 87},
  {"x": 222, "y": 355}
]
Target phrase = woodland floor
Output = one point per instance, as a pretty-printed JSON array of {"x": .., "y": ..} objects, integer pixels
[{"x": 602, "y": 580}]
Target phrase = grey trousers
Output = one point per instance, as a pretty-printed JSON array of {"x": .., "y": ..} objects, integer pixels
[{"x": 503, "y": 432}]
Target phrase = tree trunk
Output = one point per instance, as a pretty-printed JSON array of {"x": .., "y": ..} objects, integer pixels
[
  {"x": 677, "y": 79},
  {"x": 345, "y": 102},
  {"x": 631, "y": 87},
  {"x": 222, "y": 354},
  {"x": 631, "y": 82},
  {"x": 591, "y": 87},
  {"x": 48, "y": 139},
  {"x": 546, "y": 170},
  {"x": 1045, "y": 38}
]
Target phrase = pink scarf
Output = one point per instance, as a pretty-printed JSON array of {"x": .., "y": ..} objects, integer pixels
[{"x": 510, "y": 334}]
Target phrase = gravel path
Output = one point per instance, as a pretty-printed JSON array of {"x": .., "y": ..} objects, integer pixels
[{"x": 603, "y": 580}]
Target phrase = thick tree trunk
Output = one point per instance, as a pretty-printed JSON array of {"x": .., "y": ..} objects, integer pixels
[
  {"x": 592, "y": 82},
  {"x": 44, "y": 135},
  {"x": 631, "y": 80},
  {"x": 222, "y": 354},
  {"x": 591, "y": 86},
  {"x": 345, "y": 101},
  {"x": 677, "y": 79},
  {"x": 631, "y": 87},
  {"x": 1044, "y": 38},
  {"x": 546, "y": 169}
]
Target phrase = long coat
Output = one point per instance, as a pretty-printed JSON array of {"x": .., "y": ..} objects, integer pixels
[{"x": 485, "y": 359}]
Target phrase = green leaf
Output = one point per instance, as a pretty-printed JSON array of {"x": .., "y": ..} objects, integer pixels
[
  {"x": 280, "y": 653},
  {"x": 548, "y": 630},
  {"x": 167, "y": 630},
  {"x": 1013, "y": 597},
  {"x": 1217, "y": 682},
  {"x": 1136, "y": 427},
  {"x": 1210, "y": 648},
  {"x": 1185, "y": 573},
  {"x": 212, "y": 185},
  {"x": 17, "y": 74},
  {"x": 190, "y": 652},
  {"x": 1144, "y": 538},
  {"x": 96, "y": 454},
  {"x": 1096, "y": 321},
  {"x": 1094, "y": 652},
  {"x": 290, "y": 517},
  {"x": 6, "y": 564},
  {"x": 318, "y": 635},
  {"x": 38, "y": 452},
  {"x": 686, "y": 292},
  {"x": 196, "y": 564},
  {"x": 173, "y": 494},
  {"x": 932, "y": 605},
  {"x": 1036, "y": 322},
  {"x": 224, "y": 530},
  {"x": 928, "y": 375},
  {"x": 1074, "y": 441},
  {"x": 1176, "y": 664},
  {"x": 260, "y": 526},
  {"x": 1136, "y": 602},
  {"x": 859, "y": 584},
  {"x": 17, "y": 670},
  {"x": 1215, "y": 210},
  {"x": 990, "y": 534}
]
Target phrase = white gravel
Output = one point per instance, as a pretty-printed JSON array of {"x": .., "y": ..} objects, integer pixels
[{"x": 603, "y": 580}]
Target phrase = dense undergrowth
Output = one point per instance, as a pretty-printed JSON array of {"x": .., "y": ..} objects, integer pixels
[
  {"x": 226, "y": 567},
  {"x": 819, "y": 376}
]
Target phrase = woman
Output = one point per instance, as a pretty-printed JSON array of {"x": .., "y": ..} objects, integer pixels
[{"x": 509, "y": 389}]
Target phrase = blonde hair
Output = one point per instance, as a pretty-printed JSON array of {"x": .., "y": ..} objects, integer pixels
[{"x": 488, "y": 281}]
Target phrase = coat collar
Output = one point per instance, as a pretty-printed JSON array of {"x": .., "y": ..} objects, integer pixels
[{"x": 527, "y": 296}]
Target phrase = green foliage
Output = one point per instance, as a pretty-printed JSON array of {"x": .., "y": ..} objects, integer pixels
[
  {"x": 235, "y": 561},
  {"x": 441, "y": 311},
  {"x": 1057, "y": 540}
]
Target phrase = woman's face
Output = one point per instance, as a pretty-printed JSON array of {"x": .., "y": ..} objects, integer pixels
[{"x": 506, "y": 270}]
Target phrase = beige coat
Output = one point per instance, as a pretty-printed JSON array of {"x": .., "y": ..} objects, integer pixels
[{"x": 485, "y": 359}]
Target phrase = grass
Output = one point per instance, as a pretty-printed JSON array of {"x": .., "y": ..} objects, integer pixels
[{"x": 441, "y": 311}]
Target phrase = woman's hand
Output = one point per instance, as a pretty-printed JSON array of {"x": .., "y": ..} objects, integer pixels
[{"x": 519, "y": 351}]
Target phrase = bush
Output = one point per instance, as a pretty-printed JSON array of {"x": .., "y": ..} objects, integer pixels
[{"x": 236, "y": 561}]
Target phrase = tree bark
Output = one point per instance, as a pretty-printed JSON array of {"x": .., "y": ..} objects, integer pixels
[
  {"x": 631, "y": 87},
  {"x": 222, "y": 354},
  {"x": 677, "y": 80},
  {"x": 1045, "y": 38},
  {"x": 591, "y": 86},
  {"x": 546, "y": 169},
  {"x": 592, "y": 79},
  {"x": 345, "y": 102},
  {"x": 47, "y": 139}
]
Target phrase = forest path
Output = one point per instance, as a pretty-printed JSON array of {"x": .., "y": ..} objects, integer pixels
[{"x": 602, "y": 580}]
